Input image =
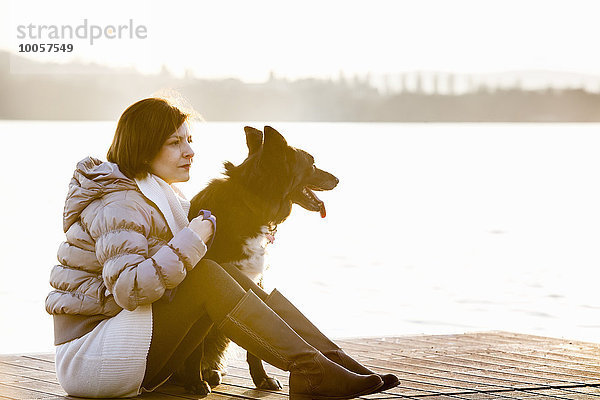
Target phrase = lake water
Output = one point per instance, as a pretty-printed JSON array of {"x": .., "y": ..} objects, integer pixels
[{"x": 434, "y": 228}]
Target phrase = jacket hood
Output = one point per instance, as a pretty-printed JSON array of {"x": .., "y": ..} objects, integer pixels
[{"x": 91, "y": 180}]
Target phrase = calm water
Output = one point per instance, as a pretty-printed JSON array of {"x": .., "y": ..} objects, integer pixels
[{"x": 441, "y": 228}]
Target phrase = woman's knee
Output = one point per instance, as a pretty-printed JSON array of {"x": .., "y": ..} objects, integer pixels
[
  {"x": 206, "y": 271},
  {"x": 196, "y": 283},
  {"x": 231, "y": 269},
  {"x": 207, "y": 266}
]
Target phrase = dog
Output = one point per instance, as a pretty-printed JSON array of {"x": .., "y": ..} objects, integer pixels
[{"x": 249, "y": 202}]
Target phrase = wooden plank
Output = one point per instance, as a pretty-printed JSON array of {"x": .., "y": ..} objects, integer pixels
[
  {"x": 447, "y": 343},
  {"x": 542, "y": 340},
  {"x": 440, "y": 368},
  {"x": 587, "y": 352},
  {"x": 548, "y": 353},
  {"x": 27, "y": 372},
  {"x": 48, "y": 388},
  {"x": 541, "y": 357},
  {"x": 22, "y": 362},
  {"x": 46, "y": 357},
  {"x": 493, "y": 375},
  {"x": 16, "y": 392},
  {"x": 539, "y": 369},
  {"x": 12, "y": 378},
  {"x": 538, "y": 362}
]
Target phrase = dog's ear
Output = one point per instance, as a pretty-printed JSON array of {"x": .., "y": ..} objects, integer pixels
[
  {"x": 274, "y": 141},
  {"x": 254, "y": 139}
]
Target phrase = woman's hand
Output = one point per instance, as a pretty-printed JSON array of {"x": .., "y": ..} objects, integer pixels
[{"x": 203, "y": 228}]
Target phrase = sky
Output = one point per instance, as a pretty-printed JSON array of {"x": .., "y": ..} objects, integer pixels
[{"x": 249, "y": 39}]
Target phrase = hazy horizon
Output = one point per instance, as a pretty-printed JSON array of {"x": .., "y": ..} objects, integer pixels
[{"x": 394, "y": 82}]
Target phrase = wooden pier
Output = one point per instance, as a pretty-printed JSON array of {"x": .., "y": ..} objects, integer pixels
[{"x": 475, "y": 366}]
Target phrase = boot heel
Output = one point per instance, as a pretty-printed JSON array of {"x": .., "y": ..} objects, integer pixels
[{"x": 297, "y": 396}]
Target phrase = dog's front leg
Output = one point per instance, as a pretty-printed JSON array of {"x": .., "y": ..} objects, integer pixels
[
  {"x": 259, "y": 375},
  {"x": 192, "y": 379}
]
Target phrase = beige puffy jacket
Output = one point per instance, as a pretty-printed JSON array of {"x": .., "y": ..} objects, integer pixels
[{"x": 119, "y": 251}]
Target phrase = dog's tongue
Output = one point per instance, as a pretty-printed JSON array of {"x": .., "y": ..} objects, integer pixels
[{"x": 322, "y": 210}]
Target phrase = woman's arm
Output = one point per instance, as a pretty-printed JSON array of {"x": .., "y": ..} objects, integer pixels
[{"x": 121, "y": 229}]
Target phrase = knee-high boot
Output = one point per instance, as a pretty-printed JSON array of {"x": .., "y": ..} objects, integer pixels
[
  {"x": 310, "y": 333},
  {"x": 255, "y": 327}
]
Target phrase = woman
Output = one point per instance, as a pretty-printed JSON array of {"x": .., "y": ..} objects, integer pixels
[{"x": 128, "y": 242}]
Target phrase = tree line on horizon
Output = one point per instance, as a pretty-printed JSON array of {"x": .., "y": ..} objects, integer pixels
[{"x": 104, "y": 96}]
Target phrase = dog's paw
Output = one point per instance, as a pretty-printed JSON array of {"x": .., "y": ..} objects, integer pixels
[
  {"x": 213, "y": 377},
  {"x": 198, "y": 387},
  {"x": 269, "y": 383}
]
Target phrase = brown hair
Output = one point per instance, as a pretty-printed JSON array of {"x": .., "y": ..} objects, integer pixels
[{"x": 142, "y": 129}]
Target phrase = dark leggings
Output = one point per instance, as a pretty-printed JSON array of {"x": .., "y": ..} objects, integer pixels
[{"x": 206, "y": 295}]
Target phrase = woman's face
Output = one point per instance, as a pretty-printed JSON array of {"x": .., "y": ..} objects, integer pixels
[{"x": 173, "y": 161}]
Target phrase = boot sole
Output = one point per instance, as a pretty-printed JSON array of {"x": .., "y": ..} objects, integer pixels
[{"x": 293, "y": 396}]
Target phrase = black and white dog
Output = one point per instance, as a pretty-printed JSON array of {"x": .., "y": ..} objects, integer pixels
[{"x": 249, "y": 202}]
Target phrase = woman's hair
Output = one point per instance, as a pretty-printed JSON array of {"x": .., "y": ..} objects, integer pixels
[{"x": 142, "y": 130}]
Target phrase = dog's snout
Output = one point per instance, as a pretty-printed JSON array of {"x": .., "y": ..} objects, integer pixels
[{"x": 334, "y": 180}]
